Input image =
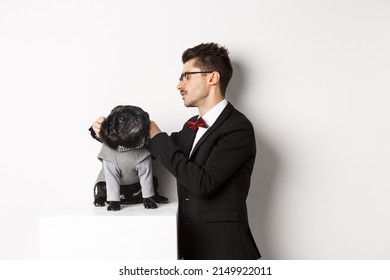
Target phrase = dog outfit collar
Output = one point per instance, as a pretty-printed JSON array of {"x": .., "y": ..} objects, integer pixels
[{"x": 122, "y": 149}]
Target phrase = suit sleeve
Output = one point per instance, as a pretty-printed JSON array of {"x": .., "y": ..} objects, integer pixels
[{"x": 230, "y": 152}]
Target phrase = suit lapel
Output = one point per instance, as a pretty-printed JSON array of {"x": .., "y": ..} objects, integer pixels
[
  {"x": 222, "y": 117},
  {"x": 188, "y": 138}
]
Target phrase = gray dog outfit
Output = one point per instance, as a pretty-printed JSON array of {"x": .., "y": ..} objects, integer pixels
[{"x": 125, "y": 166}]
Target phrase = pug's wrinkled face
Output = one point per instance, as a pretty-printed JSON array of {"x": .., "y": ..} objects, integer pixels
[{"x": 126, "y": 126}]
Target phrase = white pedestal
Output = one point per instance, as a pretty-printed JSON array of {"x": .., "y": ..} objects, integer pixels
[{"x": 84, "y": 232}]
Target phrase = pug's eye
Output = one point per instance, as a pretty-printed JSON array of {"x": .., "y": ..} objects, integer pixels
[{"x": 121, "y": 119}]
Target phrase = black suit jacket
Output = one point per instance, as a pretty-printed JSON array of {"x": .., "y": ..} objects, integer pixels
[{"x": 213, "y": 185}]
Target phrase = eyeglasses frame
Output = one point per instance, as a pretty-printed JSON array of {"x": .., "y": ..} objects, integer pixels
[{"x": 190, "y": 73}]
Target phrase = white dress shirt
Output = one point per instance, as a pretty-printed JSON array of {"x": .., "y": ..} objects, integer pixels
[{"x": 210, "y": 117}]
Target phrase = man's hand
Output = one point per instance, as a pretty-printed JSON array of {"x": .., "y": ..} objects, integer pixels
[
  {"x": 97, "y": 125},
  {"x": 153, "y": 129}
]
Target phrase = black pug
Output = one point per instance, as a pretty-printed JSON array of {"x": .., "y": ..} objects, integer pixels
[{"x": 127, "y": 165}]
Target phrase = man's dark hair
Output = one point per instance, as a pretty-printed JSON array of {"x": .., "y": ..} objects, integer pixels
[{"x": 211, "y": 57}]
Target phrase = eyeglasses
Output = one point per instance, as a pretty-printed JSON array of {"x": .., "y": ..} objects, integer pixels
[{"x": 184, "y": 76}]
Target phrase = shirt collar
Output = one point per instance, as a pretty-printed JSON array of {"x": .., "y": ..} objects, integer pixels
[{"x": 212, "y": 115}]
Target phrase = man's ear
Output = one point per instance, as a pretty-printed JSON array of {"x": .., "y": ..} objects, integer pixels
[{"x": 214, "y": 78}]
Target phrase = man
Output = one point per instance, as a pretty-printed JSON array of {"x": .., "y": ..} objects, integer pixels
[{"x": 212, "y": 158}]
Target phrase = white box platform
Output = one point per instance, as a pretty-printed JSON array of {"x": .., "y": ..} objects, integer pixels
[{"x": 86, "y": 232}]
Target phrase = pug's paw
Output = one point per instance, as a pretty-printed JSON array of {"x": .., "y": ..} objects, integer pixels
[
  {"x": 149, "y": 203},
  {"x": 114, "y": 206}
]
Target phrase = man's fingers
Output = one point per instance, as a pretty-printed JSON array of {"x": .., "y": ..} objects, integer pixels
[
  {"x": 100, "y": 119},
  {"x": 98, "y": 124},
  {"x": 153, "y": 129}
]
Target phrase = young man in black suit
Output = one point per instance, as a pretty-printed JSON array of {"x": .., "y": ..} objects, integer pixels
[{"x": 212, "y": 158}]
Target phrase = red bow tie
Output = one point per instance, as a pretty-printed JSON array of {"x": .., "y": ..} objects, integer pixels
[{"x": 199, "y": 123}]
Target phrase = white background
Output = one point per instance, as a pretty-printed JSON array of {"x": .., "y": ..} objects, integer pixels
[{"x": 313, "y": 77}]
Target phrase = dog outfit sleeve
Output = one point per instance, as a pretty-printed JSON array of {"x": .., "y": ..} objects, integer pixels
[
  {"x": 112, "y": 175},
  {"x": 144, "y": 169}
]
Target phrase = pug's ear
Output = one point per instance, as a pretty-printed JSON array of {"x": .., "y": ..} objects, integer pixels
[
  {"x": 107, "y": 133},
  {"x": 105, "y": 125},
  {"x": 117, "y": 109}
]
